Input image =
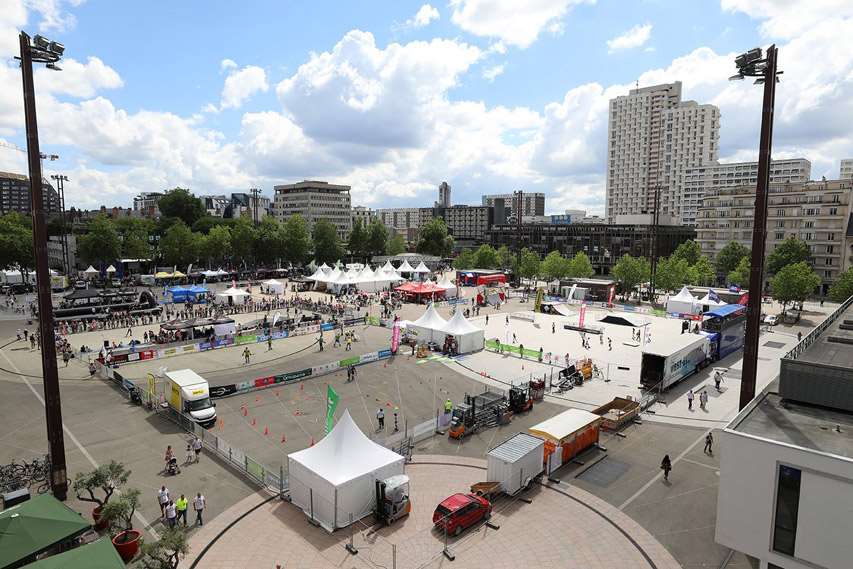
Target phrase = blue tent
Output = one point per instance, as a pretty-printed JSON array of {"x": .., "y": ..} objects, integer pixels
[{"x": 183, "y": 294}]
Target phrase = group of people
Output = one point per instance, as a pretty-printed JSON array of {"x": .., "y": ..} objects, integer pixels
[
  {"x": 703, "y": 399},
  {"x": 172, "y": 512}
]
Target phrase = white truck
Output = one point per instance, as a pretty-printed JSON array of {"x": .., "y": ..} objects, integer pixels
[
  {"x": 187, "y": 392},
  {"x": 666, "y": 362}
]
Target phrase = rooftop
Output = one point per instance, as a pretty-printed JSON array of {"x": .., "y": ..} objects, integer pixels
[
  {"x": 815, "y": 428},
  {"x": 833, "y": 346}
]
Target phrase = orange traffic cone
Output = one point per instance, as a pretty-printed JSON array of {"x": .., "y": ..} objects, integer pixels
[
  {"x": 244, "y": 410},
  {"x": 283, "y": 439},
  {"x": 312, "y": 441},
  {"x": 301, "y": 387},
  {"x": 253, "y": 422},
  {"x": 266, "y": 430}
]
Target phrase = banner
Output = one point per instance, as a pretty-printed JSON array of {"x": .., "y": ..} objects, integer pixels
[
  {"x": 349, "y": 361},
  {"x": 331, "y": 404},
  {"x": 610, "y": 298},
  {"x": 395, "y": 337},
  {"x": 223, "y": 390},
  {"x": 582, "y": 316}
]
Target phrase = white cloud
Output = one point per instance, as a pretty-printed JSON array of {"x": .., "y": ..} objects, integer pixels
[
  {"x": 227, "y": 65},
  {"x": 54, "y": 16},
  {"x": 424, "y": 16},
  {"x": 788, "y": 18},
  {"x": 241, "y": 85},
  {"x": 633, "y": 38},
  {"x": 513, "y": 22},
  {"x": 490, "y": 73},
  {"x": 77, "y": 79}
]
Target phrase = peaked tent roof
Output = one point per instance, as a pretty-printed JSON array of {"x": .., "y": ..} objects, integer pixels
[
  {"x": 388, "y": 266},
  {"x": 345, "y": 453},
  {"x": 421, "y": 268},
  {"x": 111, "y": 269},
  {"x": 458, "y": 325},
  {"x": 318, "y": 275},
  {"x": 431, "y": 319},
  {"x": 324, "y": 266},
  {"x": 405, "y": 267},
  {"x": 707, "y": 300},
  {"x": 91, "y": 270},
  {"x": 231, "y": 291},
  {"x": 445, "y": 282},
  {"x": 683, "y": 295}
]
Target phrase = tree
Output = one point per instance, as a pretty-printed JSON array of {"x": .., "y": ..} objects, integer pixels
[
  {"x": 377, "y": 237},
  {"x": 794, "y": 283},
  {"x": 107, "y": 478},
  {"x": 135, "y": 245},
  {"x": 555, "y": 266},
  {"x": 396, "y": 244},
  {"x": 242, "y": 241},
  {"x": 16, "y": 242},
  {"x": 506, "y": 258},
  {"x": 180, "y": 203},
  {"x": 729, "y": 257},
  {"x": 101, "y": 244},
  {"x": 269, "y": 241},
  {"x": 216, "y": 245},
  {"x": 788, "y": 252},
  {"x": 179, "y": 246},
  {"x": 630, "y": 272},
  {"x": 357, "y": 244},
  {"x": 485, "y": 257},
  {"x": 740, "y": 276},
  {"x": 580, "y": 266},
  {"x": 530, "y": 264},
  {"x": 689, "y": 251},
  {"x": 297, "y": 240},
  {"x": 433, "y": 238},
  {"x": 672, "y": 273},
  {"x": 167, "y": 551},
  {"x": 327, "y": 246},
  {"x": 702, "y": 272},
  {"x": 119, "y": 513},
  {"x": 842, "y": 288},
  {"x": 464, "y": 260}
]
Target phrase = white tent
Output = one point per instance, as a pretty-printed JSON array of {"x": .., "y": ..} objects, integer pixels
[
  {"x": 210, "y": 274},
  {"x": 91, "y": 271},
  {"x": 325, "y": 267},
  {"x": 274, "y": 286},
  {"x": 232, "y": 296},
  {"x": 336, "y": 477},
  {"x": 12, "y": 277},
  {"x": 405, "y": 268},
  {"x": 421, "y": 268},
  {"x": 706, "y": 301},
  {"x": 682, "y": 303},
  {"x": 447, "y": 285},
  {"x": 220, "y": 272},
  {"x": 388, "y": 266},
  {"x": 468, "y": 337},
  {"x": 111, "y": 269},
  {"x": 430, "y": 326}
]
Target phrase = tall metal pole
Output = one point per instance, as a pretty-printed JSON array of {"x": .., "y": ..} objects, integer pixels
[
  {"x": 759, "y": 235},
  {"x": 52, "y": 406},
  {"x": 654, "y": 246},
  {"x": 518, "y": 215}
]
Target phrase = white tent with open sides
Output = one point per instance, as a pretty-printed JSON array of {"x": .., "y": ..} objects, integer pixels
[
  {"x": 468, "y": 337},
  {"x": 405, "y": 268},
  {"x": 430, "y": 326},
  {"x": 682, "y": 303},
  {"x": 232, "y": 296},
  {"x": 274, "y": 286},
  {"x": 336, "y": 477}
]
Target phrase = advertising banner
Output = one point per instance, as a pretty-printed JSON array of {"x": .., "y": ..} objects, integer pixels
[
  {"x": 132, "y": 357},
  {"x": 246, "y": 339},
  {"x": 370, "y": 357},
  {"x": 189, "y": 348},
  {"x": 204, "y": 346},
  {"x": 244, "y": 386},
  {"x": 279, "y": 335},
  {"x": 582, "y": 316},
  {"x": 295, "y": 375},
  {"x": 262, "y": 381},
  {"x": 327, "y": 326},
  {"x": 384, "y": 354},
  {"x": 325, "y": 368},
  {"x": 147, "y": 355},
  {"x": 331, "y": 404},
  {"x": 223, "y": 390},
  {"x": 395, "y": 337},
  {"x": 349, "y": 361}
]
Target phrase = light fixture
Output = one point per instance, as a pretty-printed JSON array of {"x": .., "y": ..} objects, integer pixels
[
  {"x": 53, "y": 67},
  {"x": 56, "y": 47},
  {"x": 41, "y": 42}
]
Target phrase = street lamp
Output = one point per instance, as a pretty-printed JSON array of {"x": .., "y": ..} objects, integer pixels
[
  {"x": 754, "y": 64},
  {"x": 42, "y": 50}
]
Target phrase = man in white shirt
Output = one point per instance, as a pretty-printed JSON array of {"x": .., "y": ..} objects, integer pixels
[
  {"x": 197, "y": 445},
  {"x": 198, "y": 505},
  {"x": 171, "y": 514},
  {"x": 163, "y": 499}
]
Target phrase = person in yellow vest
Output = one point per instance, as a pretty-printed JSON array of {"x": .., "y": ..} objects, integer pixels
[
  {"x": 181, "y": 506},
  {"x": 448, "y": 406}
]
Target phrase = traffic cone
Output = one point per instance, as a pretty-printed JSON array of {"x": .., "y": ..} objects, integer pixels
[
  {"x": 257, "y": 398},
  {"x": 283, "y": 439},
  {"x": 253, "y": 422},
  {"x": 266, "y": 430},
  {"x": 244, "y": 410},
  {"x": 312, "y": 441},
  {"x": 301, "y": 386}
]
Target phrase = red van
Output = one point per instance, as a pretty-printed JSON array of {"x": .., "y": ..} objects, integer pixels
[{"x": 461, "y": 511}]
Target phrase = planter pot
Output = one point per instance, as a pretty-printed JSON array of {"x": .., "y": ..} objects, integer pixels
[
  {"x": 100, "y": 524},
  {"x": 127, "y": 544}
]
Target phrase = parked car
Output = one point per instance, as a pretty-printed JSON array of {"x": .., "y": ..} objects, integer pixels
[
  {"x": 771, "y": 320},
  {"x": 461, "y": 511}
]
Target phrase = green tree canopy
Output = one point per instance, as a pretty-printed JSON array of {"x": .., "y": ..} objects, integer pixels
[
  {"x": 16, "y": 242},
  {"x": 842, "y": 288},
  {"x": 205, "y": 223},
  {"x": 555, "y": 266},
  {"x": 357, "y": 244},
  {"x": 433, "y": 238},
  {"x": 297, "y": 240},
  {"x": 729, "y": 256},
  {"x": 529, "y": 264},
  {"x": 506, "y": 258},
  {"x": 740, "y": 276},
  {"x": 179, "y": 246},
  {"x": 630, "y": 272},
  {"x": 788, "y": 252},
  {"x": 794, "y": 283},
  {"x": 269, "y": 241},
  {"x": 672, "y": 273},
  {"x": 702, "y": 272},
  {"x": 101, "y": 243},
  {"x": 580, "y": 266},
  {"x": 485, "y": 257},
  {"x": 377, "y": 237},
  {"x": 327, "y": 246},
  {"x": 689, "y": 251},
  {"x": 180, "y": 203},
  {"x": 396, "y": 244},
  {"x": 242, "y": 241},
  {"x": 135, "y": 245},
  {"x": 465, "y": 260}
]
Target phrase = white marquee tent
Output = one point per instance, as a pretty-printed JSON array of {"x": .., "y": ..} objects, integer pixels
[
  {"x": 338, "y": 475},
  {"x": 468, "y": 337},
  {"x": 274, "y": 286},
  {"x": 707, "y": 301},
  {"x": 682, "y": 303},
  {"x": 421, "y": 268},
  {"x": 232, "y": 296},
  {"x": 430, "y": 326},
  {"x": 405, "y": 268},
  {"x": 447, "y": 285}
]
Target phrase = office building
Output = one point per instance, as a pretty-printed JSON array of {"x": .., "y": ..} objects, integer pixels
[
  {"x": 315, "y": 200},
  {"x": 404, "y": 221},
  {"x": 575, "y": 216},
  {"x": 652, "y": 138},
  {"x": 847, "y": 169},
  {"x": 443, "y": 195},
  {"x": 15, "y": 195},
  {"x": 364, "y": 214},
  {"x": 467, "y": 223},
  {"x": 818, "y": 212},
  {"x": 533, "y": 203},
  {"x": 700, "y": 180},
  {"x": 603, "y": 244},
  {"x": 786, "y": 460},
  {"x": 146, "y": 204}
]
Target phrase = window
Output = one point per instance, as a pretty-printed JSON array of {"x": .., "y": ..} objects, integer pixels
[
  {"x": 787, "y": 507},
  {"x": 780, "y": 235}
]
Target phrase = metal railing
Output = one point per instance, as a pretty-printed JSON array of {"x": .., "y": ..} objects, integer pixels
[{"x": 812, "y": 336}]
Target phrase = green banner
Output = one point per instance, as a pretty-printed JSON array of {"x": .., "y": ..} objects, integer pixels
[
  {"x": 245, "y": 339},
  {"x": 331, "y": 404},
  {"x": 349, "y": 361}
]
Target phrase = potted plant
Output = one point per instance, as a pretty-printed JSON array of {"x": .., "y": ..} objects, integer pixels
[
  {"x": 166, "y": 553},
  {"x": 118, "y": 514},
  {"x": 106, "y": 478}
]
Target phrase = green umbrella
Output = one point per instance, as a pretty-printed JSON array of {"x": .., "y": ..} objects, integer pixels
[
  {"x": 100, "y": 554},
  {"x": 35, "y": 525}
]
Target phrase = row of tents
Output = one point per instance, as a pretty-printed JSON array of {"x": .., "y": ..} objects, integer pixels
[
  {"x": 432, "y": 327},
  {"x": 685, "y": 303}
]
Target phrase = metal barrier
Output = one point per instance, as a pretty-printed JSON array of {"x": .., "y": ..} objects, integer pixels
[{"x": 812, "y": 336}]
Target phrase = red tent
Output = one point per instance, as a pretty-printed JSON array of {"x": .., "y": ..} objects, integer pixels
[{"x": 421, "y": 289}]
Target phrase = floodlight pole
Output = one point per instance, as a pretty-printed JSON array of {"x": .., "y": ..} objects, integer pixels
[
  {"x": 52, "y": 405},
  {"x": 759, "y": 235}
]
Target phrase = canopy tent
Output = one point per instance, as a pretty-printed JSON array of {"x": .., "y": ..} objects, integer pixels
[
  {"x": 338, "y": 475},
  {"x": 162, "y": 275},
  {"x": 405, "y": 268},
  {"x": 421, "y": 268},
  {"x": 388, "y": 266},
  {"x": 682, "y": 303},
  {"x": 231, "y": 296},
  {"x": 707, "y": 303},
  {"x": 430, "y": 327},
  {"x": 446, "y": 284},
  {"x": 324, "y": 267},
  {"x": 274, "y": 286},
  {"x": 100, "y": 554},
  {"x": 12, "y": 276},
  {"x": 183, "y": 294},
  {"x": 91, "y": 271},
  {"x": 220, "y": 272},
  {"x": 36, "y": 525},
  {"x": 111, "y": 269},
  {"x": 468, "y": 337},
  {"x": 178, "y": 274},
  {"x": 210, "y": 274}
]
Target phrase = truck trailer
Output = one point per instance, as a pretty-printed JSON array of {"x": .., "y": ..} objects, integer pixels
[
  {"x": 188, "y": 393},
  {"x": 666, "y": 362}
]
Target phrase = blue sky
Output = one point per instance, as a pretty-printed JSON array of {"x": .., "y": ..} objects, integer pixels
[{"x": 490, "y": 95}]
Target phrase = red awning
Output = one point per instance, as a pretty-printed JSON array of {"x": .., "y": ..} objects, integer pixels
[{"x": 420, "y": 288}]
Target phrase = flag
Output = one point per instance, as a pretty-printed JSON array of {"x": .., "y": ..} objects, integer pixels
[
  {"x": 331, "y": 404},
  {"x": 713, "y": 296},
  {"x": 744, "y": 300}
]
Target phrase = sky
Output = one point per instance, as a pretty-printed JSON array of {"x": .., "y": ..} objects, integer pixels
[{"x": 394, "y": 97}]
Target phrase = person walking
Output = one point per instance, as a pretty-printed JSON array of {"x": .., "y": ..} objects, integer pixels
[
  {"x": 703, "y": 399},
  {"x": 181, "y": 507},
  {"x": 171, "y": 514},
  {"x": 65, "y": 357},
  {"x": 380, "y": 416},
  {"x": 163, "y": 499},
  {"x": 199, "y": 503},
  {"x": 690, "y": 400},
  {"x": 269, "y": 344},
  {"x": 396, "y": 426},
  {"x": 521, "y": 351},
  {"x": 666, "y": 466},
  {"x": 718, "y": 378},
  {"x": 349, "y": 343},
  {"x": 553, "y": 328},
  {"x": 129, "y": 333},
  {"x": 197, "y": 446},
  {"x": 320, "y": 341},
  {"x": 709, "y": 443},
  {"x": 609, "y": 344},
  {"x": 799, "y": 336},
  {"x": 487, "y": 319},
  {"x": 246, "y": 356},
  {"x": 190, "y": 456}
]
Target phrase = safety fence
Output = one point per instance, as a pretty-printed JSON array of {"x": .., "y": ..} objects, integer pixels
[{"x": 812, "y": 336}]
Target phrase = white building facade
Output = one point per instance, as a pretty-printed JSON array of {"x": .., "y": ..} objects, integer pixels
[
  {"x": 315, "y": 200},
  {"x": 847, "y": 169}
]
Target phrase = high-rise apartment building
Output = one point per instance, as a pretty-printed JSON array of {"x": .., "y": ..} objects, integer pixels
[
  {"x": 533, "y": 203},
  {"x": 363, "y": 214},
  {"x": 443, "y": 195},
  {"x": 847, "y": 169},
  {"x": 653, "y": 137},
  {"x": 701, "y": 180},
  {"x": 15, "y": 195},
  {"x": 315, "y": 200},
  {"x": 818, "y": 213}
]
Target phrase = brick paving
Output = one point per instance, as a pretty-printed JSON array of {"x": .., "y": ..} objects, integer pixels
[{"x": 564, "y": 526}]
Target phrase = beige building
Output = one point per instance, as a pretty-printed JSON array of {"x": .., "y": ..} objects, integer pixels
[
  {"x": 847, "y": 169},
  {"x": 403, "y": 219},
  {"x": 363, "y": 213},
  {"x": 315, "y": 200},
  {"x": 653, "y": 137},
  {"x": 819, "y": 213}
]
